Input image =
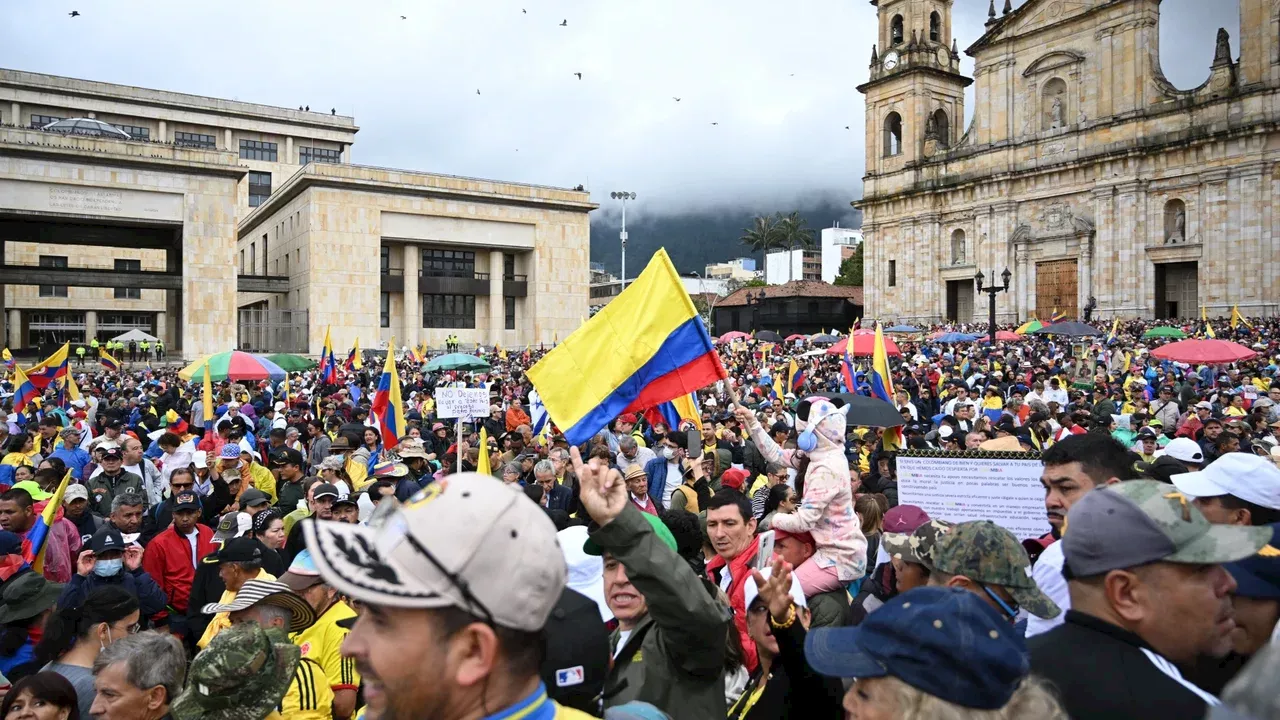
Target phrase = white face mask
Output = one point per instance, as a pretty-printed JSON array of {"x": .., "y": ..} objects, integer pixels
[{"x": 668, "y": 453}]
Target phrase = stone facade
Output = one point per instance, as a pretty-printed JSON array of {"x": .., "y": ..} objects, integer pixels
[
  {"x": 326, "y": 227},
  {"x": 1083, "y": 171}
]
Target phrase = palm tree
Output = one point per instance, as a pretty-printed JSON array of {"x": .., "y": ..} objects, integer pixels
[
  {"x": 794, "y": 232},
  {"x": 762, "y": 236}
]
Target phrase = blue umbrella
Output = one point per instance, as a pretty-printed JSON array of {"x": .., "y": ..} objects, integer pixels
[
  {"x": 903, "y": 329},
  {"x": 955, "y": 337},
  {"x": 456, "y": 361}
]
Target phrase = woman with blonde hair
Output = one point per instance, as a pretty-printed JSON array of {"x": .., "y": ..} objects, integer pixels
[
  {"x": 933, "y": 653},
  {"x": 867, "y": 506}
]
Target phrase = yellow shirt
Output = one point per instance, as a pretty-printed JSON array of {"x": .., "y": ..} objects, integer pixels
[
  {"x": 1234, "y": 412},
  {"x": 322, "y": 642},
  {"x": 309, "y": 696},
  {"x": 359, "y": 474},
  {"x": 222, "y": 620}
]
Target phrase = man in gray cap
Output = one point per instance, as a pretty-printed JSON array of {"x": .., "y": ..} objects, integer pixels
[
  {"x": 456, "y": 585},
  {"x": 1148, "y": 592}
]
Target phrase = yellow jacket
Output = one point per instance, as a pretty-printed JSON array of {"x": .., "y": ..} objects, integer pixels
[{"x": 222, "y": 621}]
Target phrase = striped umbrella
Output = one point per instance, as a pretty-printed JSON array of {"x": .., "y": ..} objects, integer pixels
[{"x": 233, "y": 365}]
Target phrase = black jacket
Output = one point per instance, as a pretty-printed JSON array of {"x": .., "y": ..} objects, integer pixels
[
  {"x": 1101, "y": 672},
  {"x": 793, "y": 690}
]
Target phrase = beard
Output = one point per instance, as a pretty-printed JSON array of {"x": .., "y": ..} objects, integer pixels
[{"x": 418, "y": 698}]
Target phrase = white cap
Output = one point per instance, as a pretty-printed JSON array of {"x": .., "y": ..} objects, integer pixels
[
  {"x": 1243, "y": 475},
  {"x": 749, "y": 591},
  {"x": 1184, "y": 449},
  {"x": 586, "y": 572},
  {"x": 945, "y": 432},
  {"x": 278, "y": 406}
]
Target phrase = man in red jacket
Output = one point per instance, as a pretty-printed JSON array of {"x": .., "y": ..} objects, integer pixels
[{"x": 172, "y": 556}]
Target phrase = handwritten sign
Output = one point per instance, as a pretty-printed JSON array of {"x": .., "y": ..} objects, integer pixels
[
  {"x": 462, "y": 402},
  {"x": 959, "y": 489}
]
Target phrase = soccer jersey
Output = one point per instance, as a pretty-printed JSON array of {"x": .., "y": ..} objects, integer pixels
[
  {"x": 309, "y": 696},
  {"x": 322, "y": 642}
]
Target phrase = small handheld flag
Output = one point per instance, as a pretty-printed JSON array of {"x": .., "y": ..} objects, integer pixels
[
  {"x": 328, "y": 364},
  {"x": 387, "y": 405},
  {"x": 353, "y": 358},
  {"x": 107, "y": 361},
  {"x": 38, "y": 536},
  {"x": 1237, "y": 318}
]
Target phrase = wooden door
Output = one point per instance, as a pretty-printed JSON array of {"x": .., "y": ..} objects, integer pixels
[{"x": 1056, "y": 283}]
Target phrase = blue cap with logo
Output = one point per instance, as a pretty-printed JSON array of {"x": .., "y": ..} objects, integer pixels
[
  {"x": 1258, "y": 576},
  {"x": 946, "y": 642}
]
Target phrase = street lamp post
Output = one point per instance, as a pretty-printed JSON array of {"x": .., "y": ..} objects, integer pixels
[
  {"x": 624, "y": 197},
  {"x": 991, "y": 291}
]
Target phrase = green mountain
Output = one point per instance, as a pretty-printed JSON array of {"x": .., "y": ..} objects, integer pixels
[{"x": 696, "y": 239}]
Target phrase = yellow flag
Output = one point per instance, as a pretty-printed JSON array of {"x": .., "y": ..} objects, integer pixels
[
  {"x": 1237, "y": 318},
  {"x": 1115, "y": 324},
  {"x": 207, "y": 398},
  {"x": 73, "y": 390},
  {"x": 482, "y": 463}
]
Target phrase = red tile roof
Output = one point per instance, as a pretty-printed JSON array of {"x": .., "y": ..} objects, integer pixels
[{"x": 795, "y": 288}]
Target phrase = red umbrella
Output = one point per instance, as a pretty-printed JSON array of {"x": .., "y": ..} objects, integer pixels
[
  {"x": 793, "y": 338},
  {"x": 1003, "y": 335},
  {"x": 731, "y": 336},
  {"x": 865, "y": 331},
  {"x": 864, "y": 345},
  {"x": 1211, "y": 352}
]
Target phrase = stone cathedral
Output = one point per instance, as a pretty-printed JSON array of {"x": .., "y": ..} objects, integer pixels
[{"x": 1083, "y": 171}]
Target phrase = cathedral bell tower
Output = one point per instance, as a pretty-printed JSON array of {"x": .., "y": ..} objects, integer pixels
[{"x": 915, "y": 97}]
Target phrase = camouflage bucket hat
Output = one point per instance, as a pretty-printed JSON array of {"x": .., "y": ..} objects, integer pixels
[
  {"x": 1144, "y": 521},
  {"x": 916, "y": 547},
  {"x": 241, "y": 675},
  {"x": 987, "y": 553}
]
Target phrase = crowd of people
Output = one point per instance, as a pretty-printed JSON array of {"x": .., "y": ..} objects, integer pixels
[{"x": 750, "y": 561}]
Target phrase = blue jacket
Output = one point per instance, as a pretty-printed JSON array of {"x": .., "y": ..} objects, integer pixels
[
  {"x": 656, "y": 469},
  {"x": 151, "y": 599},
  {"x": 74, "y": 458},
  {"x": 561, "y": 499}
]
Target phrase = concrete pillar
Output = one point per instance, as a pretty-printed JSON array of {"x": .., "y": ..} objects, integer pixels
[
  {"x": 346, "y": 154},
  {"x": 163, "y": 135},
  {"x": 226, "y": 134},
  {"x": 162, "y": 327},
  {"x": 412, "y": 298},
  {"x": 15, "y": 329},
  {"x": 288, "y": 151},
  {"x": 497, "y": 303},
  {"x": 15, "y": 114},
  {"x": 90, "y": 324}
]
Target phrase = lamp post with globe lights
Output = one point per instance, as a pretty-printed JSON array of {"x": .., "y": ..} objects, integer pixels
[{"x": 991, "y": 291}]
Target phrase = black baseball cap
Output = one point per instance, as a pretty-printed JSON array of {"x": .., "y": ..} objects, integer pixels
[
  {"x": 114, "y": 453},
  {"x": 114, "y": 423},
  {"x": 348, "y": 499},
  {"x": 285, "y": 456},
  {"x": 185, "y": 501},
  {"x": 325, "y": 490},
  {"x": 240, "y": 549},
  {"x": 576, "y": 663},
  {"x": 105, "y": 540}
]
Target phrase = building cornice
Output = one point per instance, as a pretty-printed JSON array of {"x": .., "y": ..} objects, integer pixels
[
  {"x": 888, "y": 77},
  {"x": 19, "y": 142}
]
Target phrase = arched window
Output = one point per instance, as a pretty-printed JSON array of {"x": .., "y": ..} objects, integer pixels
[
  {"x": 895, "y": 30},
  {"x": 1175, "y": 221},
  {"x": 1053, "y": 104},
  {"x": 935, "y": 27},
  {"x": 941, "y": 127},
  {"x": 893, "y": 134},
  {"x": 957, "y": 247}
]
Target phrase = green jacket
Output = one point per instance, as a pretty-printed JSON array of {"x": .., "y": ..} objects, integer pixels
[
  {"x": 674, "y": 658},
  {"x": 102, "y": 490}
]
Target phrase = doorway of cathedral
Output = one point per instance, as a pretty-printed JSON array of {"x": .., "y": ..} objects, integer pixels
[
  {"x": 960, "y": 295},
  {"x": 1056, "y": 283},
  {"x": 1176, "y": 295}
]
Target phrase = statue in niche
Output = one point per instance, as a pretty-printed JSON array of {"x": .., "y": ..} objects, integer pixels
[
  {"x": 930, "y": 128},
  {"x": 1055, "y": 114},
  {"x": 1178, "y": 226}
]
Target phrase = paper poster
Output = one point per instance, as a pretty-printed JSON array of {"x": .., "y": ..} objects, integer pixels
[
  {"x": 1004, "y": 490},
  {"x": 462, "y": 402}
]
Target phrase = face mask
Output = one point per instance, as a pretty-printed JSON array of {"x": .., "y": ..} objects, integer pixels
[
  {"x": 668, "y": 453},
  {"x": 107, "y": 568}
]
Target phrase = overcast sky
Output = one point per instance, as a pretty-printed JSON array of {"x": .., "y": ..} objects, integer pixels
[{"x": 779, "y": 79}]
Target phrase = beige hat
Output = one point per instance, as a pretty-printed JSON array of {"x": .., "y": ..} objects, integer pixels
[
  {"x": 411, "y": 448},
  {"x": 467, "y": 541},
  {"x": 632, "y": 471}
]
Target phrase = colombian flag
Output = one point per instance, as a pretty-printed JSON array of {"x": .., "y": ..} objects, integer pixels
[
  {"x": 795, "y": 377},
  {"x": 882, "y": 387},
  {"x": 353, "y": 358},
  {"x": 40, "y": 530},
  {"x": 329, "y": 364},
  {"x": 1057, "y": 316},
  {"x": 8, "y": 359},
  {"x": 108, "y": 362},
  {"x": 32, "y": 383},
  {"x": 387, "y": 406},
  {"x": 846, "y": 365},
  {"x": 674, "y": 412},
  {"x": 644, "y": 348}
]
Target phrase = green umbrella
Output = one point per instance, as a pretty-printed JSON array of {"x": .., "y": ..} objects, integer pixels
[
  {"x": 291, "y": 363},
  {"x": 456, "y": 361},
  {"x": 1164, "y": 332}
]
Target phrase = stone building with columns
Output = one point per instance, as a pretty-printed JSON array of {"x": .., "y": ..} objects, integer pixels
[
  {"x": 1084, "y": 171},
  {"x": 216, "y": 223}
]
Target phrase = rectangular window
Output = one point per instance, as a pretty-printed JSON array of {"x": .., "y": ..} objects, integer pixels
[
  {"x": 241, "y": 261},
  {"x": 137, "y": 132},
  {"x": 449, "y": 311},
  {"x": 39, "y": 121},
  {"x": 385, "y": 317},
  {"x": 893, "y": 273},
  {"x": 510, "y": 303},
  {"x": 259, "y": 187},
  {"x": 448, "y": 263},
  {"x": 128, "y": 293},
  {"x": 253, "y": 257},
  {"x": 320, "y": 155},
  {"x": 258, "y": 150},
  {"x": 385, "y": 261},
  {"x": 53, "y": 261},
  {"x": 186, "y": 139},
  {"x": 508, "y": 266}
]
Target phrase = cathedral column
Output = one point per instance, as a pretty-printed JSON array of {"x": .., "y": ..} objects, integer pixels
[
  {"x": 1001, "y": 247},
  {"x": 1104, "y": 269},
  {"x": 1125, "y": 278},
  {"x": 1022, "y": 277},
  {"x": 1085, "y": 286}
]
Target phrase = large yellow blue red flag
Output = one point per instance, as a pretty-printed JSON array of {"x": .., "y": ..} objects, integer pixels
[
  {"x": 882, "y": 386},
  {"x": 32, "y": 383},
  {"x": 38, "y": 536},
  {"x": 328, "y": 363},
  {"x": 108, "y": 362},
  {"x": 674, "y": 412},
  {"x": 647, "y": 346},
  {"x": 387, "y": 405},
  {"x": 353, "y": 358}
]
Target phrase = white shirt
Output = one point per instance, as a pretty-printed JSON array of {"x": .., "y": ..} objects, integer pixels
[
  {"x": 622, "y": 641},
  {"x": 1048, "y": 576},
  {"x": 1059, "y": 396},
  {"x": 192, "y": 537},
  {"x": 675, "y": 478}
]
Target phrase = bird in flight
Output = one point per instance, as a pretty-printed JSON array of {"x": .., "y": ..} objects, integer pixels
[
  {"x": 565, "y": 23},
  {"x": 579, "y": 75},
  {"x": 404, "y": 17},
  {"x": 846, "y": 127},
  {"x": 74, "y": 13},
  {"x": 526, "y": 12},
  {"x": 675, "y": 98},
  {"x": 477, "y": 91},
  {"x": 715, "y": 123}
]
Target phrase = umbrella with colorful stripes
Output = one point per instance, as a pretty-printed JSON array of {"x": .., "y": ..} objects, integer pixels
[
  {"x": 1029, "y": 326},
  {"x": 233, "y": 365}
]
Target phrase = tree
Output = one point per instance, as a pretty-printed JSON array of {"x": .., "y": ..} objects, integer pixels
[
  {"x": 794, "y": 232},
  {"x": 851, "y": 269},
  {"x": 762, "y": 236}
]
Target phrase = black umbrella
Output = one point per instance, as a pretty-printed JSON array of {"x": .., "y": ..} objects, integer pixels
[
  {"x": 1070, "y": 328},
  {"x": 867, "y": 411},
  {"x": 768, "y": 336}
]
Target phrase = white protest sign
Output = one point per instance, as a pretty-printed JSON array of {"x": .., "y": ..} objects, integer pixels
[
  {"x": 462, "y": 402},
  {"x": 1006, "y": 491}
]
